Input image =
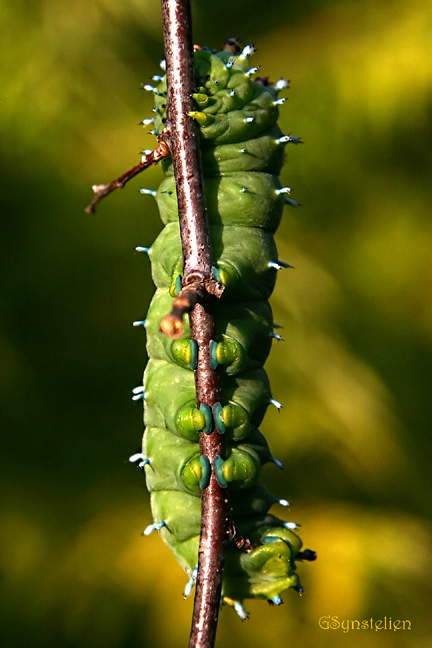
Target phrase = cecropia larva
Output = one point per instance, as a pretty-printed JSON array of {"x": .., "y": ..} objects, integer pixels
[{"x": 242, "y": 150}]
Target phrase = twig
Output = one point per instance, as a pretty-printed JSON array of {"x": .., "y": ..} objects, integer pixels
[
  {"x": 172, "y": 324},
  {"x": 101, "y": 191},
  {"x": 181, "y": 137}
]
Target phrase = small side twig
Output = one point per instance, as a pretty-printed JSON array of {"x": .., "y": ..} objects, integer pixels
[
  {"x": 172, "y": 324},
  {"x": 103, "y": 190}
]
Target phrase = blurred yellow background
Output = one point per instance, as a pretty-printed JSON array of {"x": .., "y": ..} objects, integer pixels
[{"x": 354, "y": 373}]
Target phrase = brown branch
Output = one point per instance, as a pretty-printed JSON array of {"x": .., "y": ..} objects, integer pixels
[
  {"x": 182, "y": 139},
  {"x": 101, "y": 191},
  {"x": 214, "y": 504}
]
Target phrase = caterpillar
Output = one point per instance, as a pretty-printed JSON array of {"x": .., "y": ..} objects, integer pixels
[{"x": 242, "y": 150}]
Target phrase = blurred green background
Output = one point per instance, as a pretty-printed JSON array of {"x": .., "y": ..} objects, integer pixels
[{"x": 354, "y": 373}]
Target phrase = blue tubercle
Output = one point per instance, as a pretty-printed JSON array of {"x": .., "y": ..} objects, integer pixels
[
  {"x": 139, "y": 393},
  {"x": 289, "y": 139},
  {"x": 278, "y": 463},
  {"x": 194, "y": 355},
  {"x": 205, "y": 409},
  {"x": 284, "y": 264},
  {"x": 137, "y": 323},
  {"x": 276, "y": 403},
  {"x": 282, "y": 502},
  {"x": 252, "y": 71},
  {"x": 191, "y": 583},
  {"x": 274, "y": 265},
  {"x": 247, "y": 51},
  {"x": 217, "y": 415},
  {"x": 291, "y": 203},
  {"x": 216, "y": 274},
  {"x": 138, "y": 456},
  {"x": 155, "y": 526},
  {"x": 148, "y": 192},
  {"x": 213, "y": 359},
  {"x": 277, "y": 337},
  {"x": 218, "y": 463},
  {"x": 240, "y": 610},
  {"x": 178, "y": 284},
  {"x": 282, "y": 84},
  {"x": 205, "y": 472}
]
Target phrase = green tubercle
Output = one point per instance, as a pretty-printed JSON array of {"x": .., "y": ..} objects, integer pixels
[
  {"x": 192, "y": 473},
  {"x": 201, "y": 117},
  {"x": 226, "y": 352},
  {"x": 176, "y": 286},
  {"x": 185, "y": 352},
  {"x": 190, "y": 421},
  {"x": 196, "y": 473},
  {"x": 268, "y": 568},
  {"x": 234, "y": 416},
  {"x": 241, "y": 469},
  {"x": 201, "y": 99},
  {"x": 228, "y": 276}
]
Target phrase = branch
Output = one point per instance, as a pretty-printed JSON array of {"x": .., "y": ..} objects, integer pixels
[
  {"x": 182, "y": 139},
  {"x": 103, "y": 190}
]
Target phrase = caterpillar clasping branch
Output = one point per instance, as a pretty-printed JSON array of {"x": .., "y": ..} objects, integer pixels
[{"x": 205, "y": 379}]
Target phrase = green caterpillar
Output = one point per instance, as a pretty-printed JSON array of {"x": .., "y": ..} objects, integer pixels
[{"x": 242, "y": 151}]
